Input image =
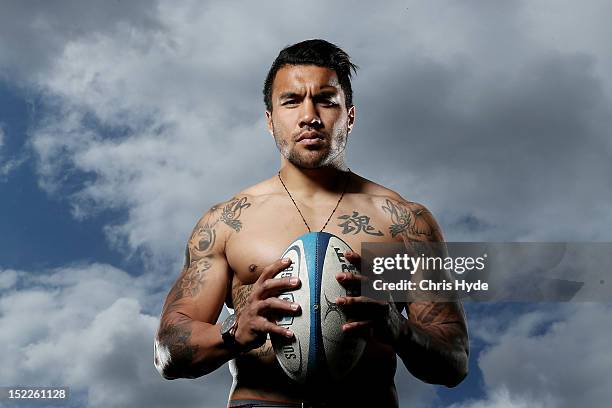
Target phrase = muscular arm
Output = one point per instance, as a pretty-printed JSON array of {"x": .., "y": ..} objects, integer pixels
[
  {"x": 433, "y": 342},
  {"x": 188, "y": 342}
]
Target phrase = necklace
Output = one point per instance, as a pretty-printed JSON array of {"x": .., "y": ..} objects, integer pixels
[{"x": 348, "y": 176}]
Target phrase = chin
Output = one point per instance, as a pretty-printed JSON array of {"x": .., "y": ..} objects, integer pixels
[
  {"x": 309, "y": 161},
  {"x": 307, "y": 165}
]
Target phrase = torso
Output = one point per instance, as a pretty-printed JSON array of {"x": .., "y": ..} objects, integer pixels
[{"x": 269, "y": 222}]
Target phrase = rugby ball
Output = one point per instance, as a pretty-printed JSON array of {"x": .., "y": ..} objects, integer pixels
[{"x": 319, "y": 349}]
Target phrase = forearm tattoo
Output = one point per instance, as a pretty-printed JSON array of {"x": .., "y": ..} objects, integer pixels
[
  {"x": 442, "y": 321},
  {"x": 173, "y": 348},
  {"x": 438, "y": 328}
]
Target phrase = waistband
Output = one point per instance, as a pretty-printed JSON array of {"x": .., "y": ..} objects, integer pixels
[{"x": 254, "y": 403}]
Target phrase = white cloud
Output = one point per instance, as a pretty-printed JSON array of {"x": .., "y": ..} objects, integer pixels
[
  {"x": 552, "y": 23},
  {"x": 500, "y": 398},
  {"x": 412, "y": 392},
  {"x": 8, "y": 278},
  {"x": 7, "y": 165},
  {"x": 47, "y": 28},
  {"x": 183, "y": 149},
  {"x": 84, "y": 327},
  {"x": 552, "y": 357},
  {"x": 166, "y": 118},
  {"x": 494, "y": 115}
]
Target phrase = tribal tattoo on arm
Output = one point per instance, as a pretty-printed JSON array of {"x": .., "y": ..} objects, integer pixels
[
  {"x": 443, "y": 322},
  {"x": 198, "y": 253},
  {"x": 175, "y": 328},
  {"x": 438, "y": 330},
  {"x": 231, "y": 212},
  {"x": 411, "y": 221},
  {"x": 438, "y": 349}
]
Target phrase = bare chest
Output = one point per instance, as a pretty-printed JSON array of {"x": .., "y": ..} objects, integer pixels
[{"x": 268, "y": 229}]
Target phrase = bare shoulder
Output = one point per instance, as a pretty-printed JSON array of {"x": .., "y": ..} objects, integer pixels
[
  {"x": 370, "y": 188},
  {"x": 406, "y": 220},
  {"x": 218, "y": 223},
  {"x": 230, "y": 210},
  {"x": 260, "y": 192},
  {"x": 227, "y": 217},
  {"x": 262, "y": 188}
]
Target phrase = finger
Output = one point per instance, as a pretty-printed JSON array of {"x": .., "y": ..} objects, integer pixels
[
  {"x": 273, "y": 269},
  {"x": 272, "y": 328},
  {"x": 274, "y": 287},
  {"x": 363, "y": 328},
  {"x": 362, "y": 306},
  {"x": 347, "y": 278},
  {"x": 273, "y": 304},
  {"x": 352, "y": 282},
  {"x": 353, "y": 257},
  {"x": 360, "y": 300}
]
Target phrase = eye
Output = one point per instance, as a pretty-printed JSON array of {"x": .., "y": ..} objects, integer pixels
[
  {"x": 327, "y": 102},
  {"x": 289, "y": 102}
]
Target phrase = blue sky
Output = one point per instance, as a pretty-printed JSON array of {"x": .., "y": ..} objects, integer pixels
[
  {"x": 120, "y": 125},
  {"x": 38, "y": 229}
]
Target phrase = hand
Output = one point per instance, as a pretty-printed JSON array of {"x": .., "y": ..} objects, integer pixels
[
  {"x": 367, "y": 317},
  {"x": 256, "y": 317}
]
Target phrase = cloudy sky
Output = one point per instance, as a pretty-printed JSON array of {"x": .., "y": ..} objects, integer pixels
[{"x": 121, "y": 122}]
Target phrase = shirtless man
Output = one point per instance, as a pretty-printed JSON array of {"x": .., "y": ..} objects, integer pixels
[{"x": 234, "y": 250}]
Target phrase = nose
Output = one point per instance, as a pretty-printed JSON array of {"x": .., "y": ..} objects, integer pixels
[{"x": 310, "y": 115}]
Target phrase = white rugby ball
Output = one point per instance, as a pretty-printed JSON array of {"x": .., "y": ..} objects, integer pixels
[{"x": 319, "y": 350}]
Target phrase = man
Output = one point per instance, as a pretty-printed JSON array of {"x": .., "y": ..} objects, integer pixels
[{"x": 232, "y": 257}]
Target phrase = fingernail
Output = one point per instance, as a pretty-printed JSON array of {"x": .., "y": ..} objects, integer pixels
[
  {"x": 293, "y": 281},
  {"x": 340, "y": 301},
  {"x": 294, "y": 306},
  {"x": 286, "y": 260},
  {"x": 340, "y": 276},
  {"x": 289, "y": 333},
  {"x": 349, "y": 253}
]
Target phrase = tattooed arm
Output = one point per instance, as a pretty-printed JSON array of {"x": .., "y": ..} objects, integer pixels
[
  {"x": 433, "y": 341},
  {"x": 188, "y": 343}
]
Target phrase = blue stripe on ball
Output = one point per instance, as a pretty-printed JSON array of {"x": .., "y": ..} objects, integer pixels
[{"x": 315, "y": 243}]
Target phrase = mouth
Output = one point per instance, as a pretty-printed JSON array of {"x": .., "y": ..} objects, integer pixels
[{"x": 310, "y": 137}]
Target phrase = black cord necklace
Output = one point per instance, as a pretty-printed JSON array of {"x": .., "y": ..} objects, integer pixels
[{"x": 348, "y": 176}]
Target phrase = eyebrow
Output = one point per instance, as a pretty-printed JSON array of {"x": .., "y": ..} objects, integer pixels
[
  {"x": 326, "y": 93},
  {"x": 287, "y": 95}
]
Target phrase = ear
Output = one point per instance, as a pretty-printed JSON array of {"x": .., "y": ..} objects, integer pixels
[
  {"x": 269, "y": 122},
  {"x": 351, "y": 119}
]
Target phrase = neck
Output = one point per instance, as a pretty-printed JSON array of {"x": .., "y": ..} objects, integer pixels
[{"x": 309, "y": 182}]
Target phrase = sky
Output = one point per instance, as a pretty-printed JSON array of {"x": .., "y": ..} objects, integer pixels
[{"x": 122, "y": 122}]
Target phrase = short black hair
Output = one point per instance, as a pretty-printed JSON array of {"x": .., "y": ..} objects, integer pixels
[{"x": 313, "y": 52}]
